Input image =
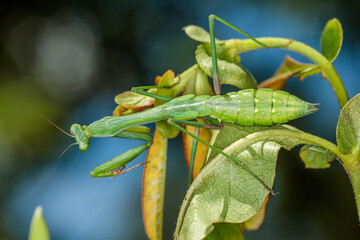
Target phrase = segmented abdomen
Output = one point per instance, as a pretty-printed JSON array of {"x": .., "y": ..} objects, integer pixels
[{"x": 258, "y": 107}]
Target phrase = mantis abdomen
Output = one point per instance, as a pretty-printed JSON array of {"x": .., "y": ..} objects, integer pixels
[
  {"x": 245, "y": 107},
  {"x": 258, "y": 107}
]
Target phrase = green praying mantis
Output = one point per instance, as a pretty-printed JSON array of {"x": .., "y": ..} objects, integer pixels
[{"x": 245, "y": 107}]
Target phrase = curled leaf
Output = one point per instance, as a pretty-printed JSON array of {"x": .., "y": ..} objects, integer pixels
[
  {"x": 157, "y": 80},
  {"x": 133, "y": 100},
  {"x": 199, "y": 84},
  {"x": 288, "y": 68},
  {"x": 167, "y": 80},
  {"x": 130, "y": 102},
  {"x": 313, "y": 70},
  {"x": 316, "y": 157},
  {"x": 182, "y": 80},
  {"x": 154, "y": 187},
  {"x": 119, "y": 111}
]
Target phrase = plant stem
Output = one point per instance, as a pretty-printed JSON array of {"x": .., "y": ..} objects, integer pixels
[
  {"x": 353, "y": 171},
  {"x": 325, "y": 65}
]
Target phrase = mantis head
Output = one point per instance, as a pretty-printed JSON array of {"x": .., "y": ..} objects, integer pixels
[{"x": 77, "y": 131}]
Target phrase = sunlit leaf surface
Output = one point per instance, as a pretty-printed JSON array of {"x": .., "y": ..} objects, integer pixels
[
  {"x": 348, "y": 128},
  {"x": 198, "y": 34},
  {"x": 224, "y": 191}
]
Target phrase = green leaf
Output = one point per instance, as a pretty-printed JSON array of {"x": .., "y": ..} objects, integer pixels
[
  {"x": 227, "y": 231},
  {"x": 167, "y": 80},
  {"x": 199, "y": 84},
  {"x": 130, "y": 99},
  {"x": 230, "y": 71},
  {"x": 199, "y": 34},
  {"x": 224, "y": 191},
  {"x": 183, "y": 80},
  {"x": 348, "y": 128},
  {"x": 38, "y": 227},
  {"x": 316, "y": 157},
  {"x": 166, "y": 130},
  {"x": 331, "y": 39}
]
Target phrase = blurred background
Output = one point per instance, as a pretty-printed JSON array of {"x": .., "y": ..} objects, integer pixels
[{"x": 68, "y": 59}]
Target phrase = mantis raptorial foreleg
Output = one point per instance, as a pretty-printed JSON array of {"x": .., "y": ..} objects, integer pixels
[{"x": 115, "y": 166}]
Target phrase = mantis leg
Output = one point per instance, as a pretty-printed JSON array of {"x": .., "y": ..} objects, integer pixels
[
  {"x": 140, "y": 90},
  {"x": 116, "y": 166},
  {"x": 193, "y": 153},
  {"x": 212, "y": 121},
  {"x": 212, "y": 18},
  {"x": 224, "y": 154},
  {"x": 197, "y": 124}
]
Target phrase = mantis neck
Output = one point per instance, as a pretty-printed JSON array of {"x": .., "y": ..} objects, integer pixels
[{"x": 110, "y": 126}]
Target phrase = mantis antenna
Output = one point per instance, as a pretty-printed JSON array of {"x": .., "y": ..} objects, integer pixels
[
  {"x": 56, "y": 126},
  {"x": 61, "y": 131},
  {"x": 66, "y": 149}
]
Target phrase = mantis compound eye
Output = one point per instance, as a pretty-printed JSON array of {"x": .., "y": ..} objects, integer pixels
[{"x": 83, "y": 146}]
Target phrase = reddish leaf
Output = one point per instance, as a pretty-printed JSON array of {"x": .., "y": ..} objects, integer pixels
[
  {"x": 287, "y": 69},
  {"x": 154, "y": 187}
]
